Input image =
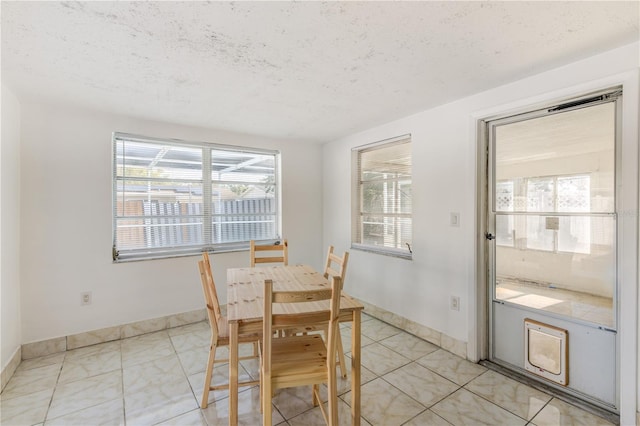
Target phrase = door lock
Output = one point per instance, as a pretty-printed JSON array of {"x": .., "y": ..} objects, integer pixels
[{"x": 489, "y": 236}]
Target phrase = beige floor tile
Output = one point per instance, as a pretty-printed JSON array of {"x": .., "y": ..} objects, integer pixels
[
  {"x": 452, "y": 367},
  {"x": 26, "y": 409},
  {"x": 291, "y": 402},
  {"x": 190, "y": 328},
  {"x": 344, "y": 384},
  {"x": 427, "y": 418},
  {"x": 192, "y": 418},
  {"x": 109, "y": 413},
  {"x": 520, "y": 399},
  {"x": 80, "y": 394},
  {"x": 558, "y": 412},
  {"x": 138, "y": 350},
  {"x": 466, "y": 408},
  {"x": 189, "y": 341},
  {"x": 313, "y": 417},
  {"x": 381, "y": 359},
  {"x": 382, "y": 404},
  {"x": 195, "y": 360},
  {"x": 409, "y": 346},
  {"x": 32, "y": 380},
  {"x": 29, "y": 364},
  {"x": 378, "y": 330},
  {"x": 248, "y": 410},
  {"x": 93, "y": 350},
  {"x": 156, "y": 391},
  {"x": 252, "y": 367},
  {"x": 156, "y": 405},
  {"x": 152, "y": 374},
  {"x": 220, "y": 376},
  {"x": 91, "y": 365},
  {"x": 421, "y": 384},
  {"x": 345, "y": 337}
]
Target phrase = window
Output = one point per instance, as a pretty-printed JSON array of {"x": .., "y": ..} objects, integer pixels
[
  {"x": 382, "y": 217},
  {"x": 545, "y": 195},
  {"x": 174, "y": 198}
]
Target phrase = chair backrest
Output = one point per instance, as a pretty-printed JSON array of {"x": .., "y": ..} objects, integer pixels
[
  {"x": 210, "y": 296},
  {"x": 265, "y": 253},
  {"x": 336, "y": 266},
  {"x": 289, "y": 317},
  {"x": 212, "y": 285}
]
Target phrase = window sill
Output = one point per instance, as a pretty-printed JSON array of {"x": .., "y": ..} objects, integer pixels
[
  {"x": 138, "y": 257},
  {"x": 402, "y": 254}
]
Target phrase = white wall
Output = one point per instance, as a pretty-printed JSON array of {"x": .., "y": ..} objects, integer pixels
[
  {"x": 444, "y": 181},
  {"x": 10, "y": 227},
  {"x": 67, "y": 223}
]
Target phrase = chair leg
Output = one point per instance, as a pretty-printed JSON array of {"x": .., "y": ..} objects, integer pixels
[
  {"x": 266, "y": 401},
  {"x": 315, "y": 392},
  {"x": 261, "y": 392},
  {"x": 332, "y": 390},
  {"x": 207, "y": 376},
  {"x": 318, "y": 402},
  {"x": 339, "y": 352},
  {"x": 341, "y": 359}
]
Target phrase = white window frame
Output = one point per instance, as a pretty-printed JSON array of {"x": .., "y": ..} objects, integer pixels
[
  {"x": 392, "y": 219},
  {"x": 206, "y": 243}
]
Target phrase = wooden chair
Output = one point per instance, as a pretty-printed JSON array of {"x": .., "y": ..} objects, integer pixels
[
  {"x": 336, "y": 266},
  {"x": 258, "y": 256},
  {"x": 219, "y": 330},
  {"x": 299, "y": 360}
]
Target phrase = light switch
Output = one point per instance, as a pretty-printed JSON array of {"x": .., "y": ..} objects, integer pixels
[{"x": 454, "y": 219}]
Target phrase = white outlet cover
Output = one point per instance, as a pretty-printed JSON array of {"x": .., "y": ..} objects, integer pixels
[
  {"x": 85, "y": 298},
  {"x": 455, "y": 303},
  {"x": 454, "y": 219}
]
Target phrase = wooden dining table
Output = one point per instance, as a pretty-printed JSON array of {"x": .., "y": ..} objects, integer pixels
[{"x": 245, "y": 293}]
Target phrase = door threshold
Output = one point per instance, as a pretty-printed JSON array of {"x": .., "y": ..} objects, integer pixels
[{"x": 564, "y": 396}]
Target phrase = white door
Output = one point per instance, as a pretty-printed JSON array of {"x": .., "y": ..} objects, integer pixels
[{"x": 551, "y": 239}]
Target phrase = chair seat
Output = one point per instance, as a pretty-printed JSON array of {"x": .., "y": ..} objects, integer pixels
[{"x": 223, "y": 334}]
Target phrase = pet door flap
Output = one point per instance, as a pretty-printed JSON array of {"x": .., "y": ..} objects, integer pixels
[{"x": 545, "y": 351}]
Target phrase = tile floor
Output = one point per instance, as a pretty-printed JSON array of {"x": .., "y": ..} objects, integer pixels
[{"x": 157, "y": 379}]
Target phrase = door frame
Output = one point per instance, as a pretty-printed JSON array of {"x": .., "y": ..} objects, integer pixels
[{"x": 628, "y": 225}]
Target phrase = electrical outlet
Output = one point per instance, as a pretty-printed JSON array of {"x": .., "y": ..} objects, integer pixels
[
  {"x": 85, "y": 298},
  {"x": 455, "y": 303}
]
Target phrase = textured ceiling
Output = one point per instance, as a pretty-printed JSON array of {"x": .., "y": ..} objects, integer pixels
[{"x": 313, "y": 71}]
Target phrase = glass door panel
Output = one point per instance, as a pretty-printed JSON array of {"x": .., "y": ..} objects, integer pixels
[{"x": 554, "y": 209}]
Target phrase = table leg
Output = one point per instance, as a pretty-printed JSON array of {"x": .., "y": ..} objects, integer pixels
[
  {"x": 355, "y": 368},
  {"x": 233, "y": 373}
]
